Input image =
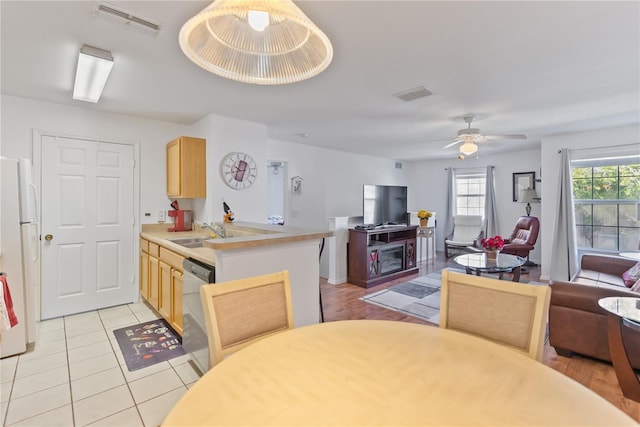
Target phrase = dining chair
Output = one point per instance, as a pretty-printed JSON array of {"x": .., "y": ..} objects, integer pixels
[
  {"x": 509, "y": 313},
  {"x": 241, "y": 312}
]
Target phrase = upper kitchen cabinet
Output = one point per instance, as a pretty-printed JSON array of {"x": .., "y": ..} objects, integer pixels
[{"x": 186, "y": 168}]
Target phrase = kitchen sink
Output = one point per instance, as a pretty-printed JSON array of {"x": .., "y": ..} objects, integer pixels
[{"x": 190, "y": 242}]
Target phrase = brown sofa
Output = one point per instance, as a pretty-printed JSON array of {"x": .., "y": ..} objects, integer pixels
[{"x": 576, "y": 321}]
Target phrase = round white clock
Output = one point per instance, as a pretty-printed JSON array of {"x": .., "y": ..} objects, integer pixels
[{"x": 238, "y": 170}]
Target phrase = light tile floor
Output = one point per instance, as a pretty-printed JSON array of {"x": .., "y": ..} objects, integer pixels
[{"x": 76, "y": 376}]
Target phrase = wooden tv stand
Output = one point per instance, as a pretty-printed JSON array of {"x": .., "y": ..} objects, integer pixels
[{"x": 379, "y": 255}]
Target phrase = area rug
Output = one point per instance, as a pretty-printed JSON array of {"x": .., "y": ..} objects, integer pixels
[
  {"x": 419, "y": 297},
  {"x": 148, "y": 343}
]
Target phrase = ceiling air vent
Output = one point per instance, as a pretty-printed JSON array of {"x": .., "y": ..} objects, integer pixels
[
  {"x": 125, "y": 16},
  {"x": 413, "y": 94}
]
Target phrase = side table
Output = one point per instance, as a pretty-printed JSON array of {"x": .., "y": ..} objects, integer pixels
[
  {"x": 622, "y": 312},
  {"x": 429, "y": 234}
]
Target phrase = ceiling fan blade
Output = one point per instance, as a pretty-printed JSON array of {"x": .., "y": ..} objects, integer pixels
[
  {"x": 506, "y": 136},
  {"x": 457, "y": 141}
]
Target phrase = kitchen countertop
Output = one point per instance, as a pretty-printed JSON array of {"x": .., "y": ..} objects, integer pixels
[{"x": 245, "y": 235}]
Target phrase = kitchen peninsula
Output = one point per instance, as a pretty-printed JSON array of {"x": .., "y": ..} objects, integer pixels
[{"x": 249, "y": 249}]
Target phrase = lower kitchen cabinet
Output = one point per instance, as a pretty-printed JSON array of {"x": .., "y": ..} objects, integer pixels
[
  {"x": 170, "y": 303},
  {"x": 154, "y": 282},
  {"x": 161, "y": 281},
  {"x": 144, "y": 274},
  {"x": 164, "y": 303},
  {"x": 176, "y": 318}
]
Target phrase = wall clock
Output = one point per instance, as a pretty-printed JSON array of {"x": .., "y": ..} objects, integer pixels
[{"x": 238, "y": 170}]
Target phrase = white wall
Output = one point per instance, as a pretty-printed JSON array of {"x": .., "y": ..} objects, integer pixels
[
  {"x": 331, "y": 187},
  {"x": 428, "y": 189},
  {"x": 225, "y": 135},
  {"x": 333, "y": 181},
  {"x": 551, "y": 173},
  {"x": 21, "y": 116}
]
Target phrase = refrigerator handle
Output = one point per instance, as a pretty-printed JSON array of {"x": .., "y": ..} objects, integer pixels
[
  {"x": 33, "y": 188},
  {"x": 33, "y": 242}
]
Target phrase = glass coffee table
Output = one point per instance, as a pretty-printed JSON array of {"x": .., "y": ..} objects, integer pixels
[{"x": 479, "y": 263}]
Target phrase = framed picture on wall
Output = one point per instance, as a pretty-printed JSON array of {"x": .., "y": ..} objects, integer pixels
[
  {"x": 522, "y": 181},
  {"x": 296, "y": 185}
]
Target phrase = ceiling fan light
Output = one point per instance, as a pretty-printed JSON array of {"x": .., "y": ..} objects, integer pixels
[
  {"x": 222, "y": 40},
  {"x": 468, "y": 148}
]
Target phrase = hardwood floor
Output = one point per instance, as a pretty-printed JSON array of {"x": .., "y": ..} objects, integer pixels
[{"x": 341, "y": 302}]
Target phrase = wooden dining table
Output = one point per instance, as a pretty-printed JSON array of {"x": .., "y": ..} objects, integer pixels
[{"x": 373, "y": 372}]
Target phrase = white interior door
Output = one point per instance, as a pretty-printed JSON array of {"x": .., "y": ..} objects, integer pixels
[{"x": 87, "y": 225}]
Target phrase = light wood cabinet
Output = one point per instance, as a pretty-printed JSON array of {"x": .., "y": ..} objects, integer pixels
[
  {"x": 144, "y": 274},
  {"x": 161, "y": 282},
  {"x": 186, "y": 168},
  {"x": 164, "y": 302},
  {"x": 144, "y": 268},
  {"x": 176, "y": 318},
  {"x": 154, "y": 282},
  {"x": 170, "y": 307}
]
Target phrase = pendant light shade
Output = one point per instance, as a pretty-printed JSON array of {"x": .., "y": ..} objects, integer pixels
[{"x": 265, "y": 42}]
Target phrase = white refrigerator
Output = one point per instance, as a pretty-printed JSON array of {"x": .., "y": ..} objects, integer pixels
[{"x": 19, "y": 251}]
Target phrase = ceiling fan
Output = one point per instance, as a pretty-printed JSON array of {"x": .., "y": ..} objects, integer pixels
[{"x": 470, "y": 136}]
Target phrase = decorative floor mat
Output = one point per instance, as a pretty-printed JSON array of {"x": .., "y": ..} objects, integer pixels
[{"x": 148, "y": 343}]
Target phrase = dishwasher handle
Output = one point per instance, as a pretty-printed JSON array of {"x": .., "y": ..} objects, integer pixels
[{"x": 204, "y": 272}]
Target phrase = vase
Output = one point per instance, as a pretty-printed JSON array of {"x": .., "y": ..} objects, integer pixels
[
  {"x": 492, "y": 254},
  {"x": 424, "y": 222}
]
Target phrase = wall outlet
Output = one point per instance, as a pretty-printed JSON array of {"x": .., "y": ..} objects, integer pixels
[{"x": 162, "y": 215}]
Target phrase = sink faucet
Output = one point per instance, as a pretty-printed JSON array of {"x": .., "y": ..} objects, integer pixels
[{"x": 218, "y": 230}]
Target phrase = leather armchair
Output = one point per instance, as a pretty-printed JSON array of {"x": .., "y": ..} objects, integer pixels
[{"x": 523, "y": 238}]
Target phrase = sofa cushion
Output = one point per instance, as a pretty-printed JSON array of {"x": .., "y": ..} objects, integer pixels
[
  {"x": 588, "y": 274},
  {"x": 631, "y": 276},
  {"x": 597, "y": 278},
  {"x": 636, "y": 287}
]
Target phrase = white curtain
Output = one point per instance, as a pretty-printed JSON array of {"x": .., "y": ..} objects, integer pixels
[
  {"x": 451, "y": 205},
  {"x": 490, "y": 210},
  {"x": 564, "y": 258}
]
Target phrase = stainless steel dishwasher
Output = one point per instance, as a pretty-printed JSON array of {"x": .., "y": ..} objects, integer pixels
[{"x": 194, "y": 332}]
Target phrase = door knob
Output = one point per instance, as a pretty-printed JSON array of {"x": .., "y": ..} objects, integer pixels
[{"x": 48, "y": 237}]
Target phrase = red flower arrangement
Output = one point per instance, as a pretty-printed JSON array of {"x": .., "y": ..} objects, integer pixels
[{"x": 494, "y": 243}]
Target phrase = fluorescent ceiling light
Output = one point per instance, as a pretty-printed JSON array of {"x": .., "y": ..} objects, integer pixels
[{"x": 94, "y": 66}]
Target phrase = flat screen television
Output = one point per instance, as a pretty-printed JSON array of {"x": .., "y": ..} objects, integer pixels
[{"x": 384, "y": 204}]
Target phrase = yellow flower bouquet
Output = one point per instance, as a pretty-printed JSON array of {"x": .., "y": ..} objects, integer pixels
[{"x": 422, "y": 214}]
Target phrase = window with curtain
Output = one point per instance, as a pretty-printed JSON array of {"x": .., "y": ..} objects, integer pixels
[
  {"x": 470, "y": 191},
  {"x": 606, "y": 192}
]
